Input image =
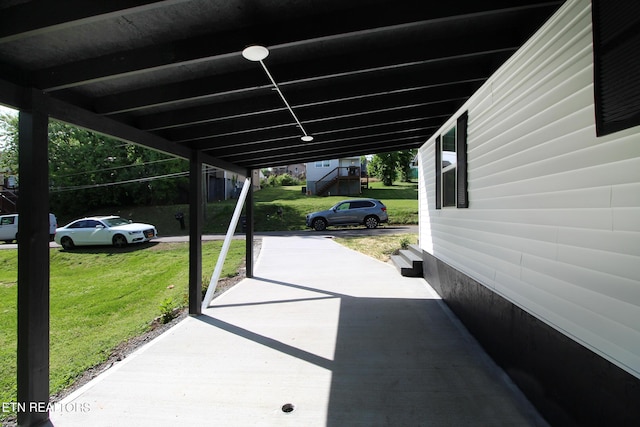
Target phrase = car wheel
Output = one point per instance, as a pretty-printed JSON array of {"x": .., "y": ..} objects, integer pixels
[
  {"x": 67, "y": 243},
  {"x": 119, "y": 241},
  {"x": 319, "y": 224},
  {"x": 371, "y": 222}
]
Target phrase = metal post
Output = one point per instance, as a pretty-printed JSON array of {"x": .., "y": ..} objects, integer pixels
[
  {"x": 195, "y": 233},
  {"x": 205, "y": 191},
  {"x": 249, "y": 228},
  {"x": 225, "y": 245},
  {"x": 33, "y": 264}
]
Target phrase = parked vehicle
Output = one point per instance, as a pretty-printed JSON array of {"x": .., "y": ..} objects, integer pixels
[
  {"x": 9, "y": 227},
  {"x": 53, "y": 225},
  {"x": 103, "y": 230},
  {"x": 367, "y": 212}
]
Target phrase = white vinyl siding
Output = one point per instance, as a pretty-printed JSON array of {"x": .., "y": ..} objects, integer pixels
[
  {"x": 553, "y": 223},
  {"x": 315, "y": 172}
]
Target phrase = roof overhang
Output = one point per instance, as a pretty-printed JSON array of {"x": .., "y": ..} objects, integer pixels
[{"x": 361, "y": 76}]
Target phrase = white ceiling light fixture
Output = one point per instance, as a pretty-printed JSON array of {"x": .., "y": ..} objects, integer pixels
[{"x": 257, "y": 53}]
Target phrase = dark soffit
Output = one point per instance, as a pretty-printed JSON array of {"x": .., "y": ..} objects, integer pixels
[{"x": 363, "y": 76}]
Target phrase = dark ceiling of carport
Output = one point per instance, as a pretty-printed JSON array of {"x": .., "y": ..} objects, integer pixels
[{"x": 363, "y": 76}]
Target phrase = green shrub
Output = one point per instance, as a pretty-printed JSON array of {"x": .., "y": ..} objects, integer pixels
[
  {"x": 287, "y": 180},
  {"x": 168, "y": 309},
  {"x": 284, "y": 180}
]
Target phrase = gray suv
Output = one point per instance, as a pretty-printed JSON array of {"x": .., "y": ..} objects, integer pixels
[{"x": 367, "y": 212}]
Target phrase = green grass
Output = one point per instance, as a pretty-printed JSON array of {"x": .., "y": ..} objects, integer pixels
[
  {"x": 100, "y": 297},
  {"x": 401, "y": 200},
  {"x": 378, "y": 247}
]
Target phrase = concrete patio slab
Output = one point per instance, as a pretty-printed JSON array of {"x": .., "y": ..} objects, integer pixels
[{"x": 337, "y": 337}]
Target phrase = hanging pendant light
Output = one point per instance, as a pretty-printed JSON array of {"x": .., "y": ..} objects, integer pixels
[{"x": 257, "y": 53}]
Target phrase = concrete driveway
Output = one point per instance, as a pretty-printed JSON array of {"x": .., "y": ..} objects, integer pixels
[{"x": 322, "y": 336}]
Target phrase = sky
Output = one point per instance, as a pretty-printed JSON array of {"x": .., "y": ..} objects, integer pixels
[{"x": 5, "y": 110}]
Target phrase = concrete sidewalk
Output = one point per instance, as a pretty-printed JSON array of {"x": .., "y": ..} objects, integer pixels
[{"x": 336, "y": 336}]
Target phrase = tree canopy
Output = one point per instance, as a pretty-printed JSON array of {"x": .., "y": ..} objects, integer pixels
[
  {"x": 391, "y": 166},
  {"x": 88, "y": 171}
]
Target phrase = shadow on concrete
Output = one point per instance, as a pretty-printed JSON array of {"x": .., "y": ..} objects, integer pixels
[{"x": 401, "y": 362}]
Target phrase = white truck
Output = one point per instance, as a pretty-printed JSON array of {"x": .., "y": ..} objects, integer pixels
[{"x": 9, "y": 227}]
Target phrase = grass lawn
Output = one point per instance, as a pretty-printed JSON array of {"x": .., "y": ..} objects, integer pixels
[
  {"x": 401, "y": 200},
  {"x": 101, "y": 297},
  {"x": 378, "y": 247}
]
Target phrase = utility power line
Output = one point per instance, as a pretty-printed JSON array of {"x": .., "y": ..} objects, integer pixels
[
  {"x": 130, "y": 181},
  {"x": 116, "y": 167}
]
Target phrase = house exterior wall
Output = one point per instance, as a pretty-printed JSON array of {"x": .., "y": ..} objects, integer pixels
[
  {"x": 255, "y": 180},
  {"x": 223, "y": 185},
  {"x": 296, "y": 170},
  {"x": 315, "y": 173},
  {"x": 550, "y": 244}
]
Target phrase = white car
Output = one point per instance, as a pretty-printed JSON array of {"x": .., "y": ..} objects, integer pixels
[
  {"x": 9, "y": 227},
  {"x": 103, "y": 230}
]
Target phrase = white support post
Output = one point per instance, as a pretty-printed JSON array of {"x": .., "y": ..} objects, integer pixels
[{"x": 225, "y": 246}]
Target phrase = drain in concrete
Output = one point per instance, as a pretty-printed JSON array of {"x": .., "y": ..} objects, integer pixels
[{"x": 288, "y": 407}]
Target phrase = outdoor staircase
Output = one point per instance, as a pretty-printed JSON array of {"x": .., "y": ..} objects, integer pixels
[
  {"x": 409, "y": 261},
  {"x": 335, "y": 177},
  {"x": 322, "y": 189}
]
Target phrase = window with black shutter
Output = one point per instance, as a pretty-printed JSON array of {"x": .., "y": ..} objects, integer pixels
[
  {"x": 451, "y": 166},
  {"x": 438, "y": 173},
  {"x": 616, "y": 53},
  {"x": 462, "y": 197}
]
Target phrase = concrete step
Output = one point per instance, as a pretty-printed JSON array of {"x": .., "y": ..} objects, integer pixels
[
  {"x": 412, "y": 258},
  {"x": 416, "y": 249},
  {"x": 402, "y": 265},
  {"x": 409, "y": 261},
  {"x": 405, "y": 267}
]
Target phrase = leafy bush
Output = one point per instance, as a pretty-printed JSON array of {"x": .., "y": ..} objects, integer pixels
[
  {"x": 167, "y": 310},
  {"x": 288, "y": 180},
  {"x": 405, "y": 242},
  {"x": 284, "y": 180}
]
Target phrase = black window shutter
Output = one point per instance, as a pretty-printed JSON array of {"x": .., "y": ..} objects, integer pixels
[
  {"x": 438, "y": 174},
  {"x": 461, "y": 154},
  {"x": 616, "y": 53}
]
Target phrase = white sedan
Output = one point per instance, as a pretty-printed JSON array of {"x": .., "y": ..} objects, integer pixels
[{"x": 103, "y": 230}]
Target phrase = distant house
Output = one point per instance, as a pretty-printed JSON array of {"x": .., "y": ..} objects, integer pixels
[
  {"x": 297, "y": 170},
  {"x": 334, "y": 177},
  {"x": 8, "y": 192},
  {"x": 225, "y": 185}
]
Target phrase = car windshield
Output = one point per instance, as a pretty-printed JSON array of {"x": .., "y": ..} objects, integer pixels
[{"x": 113, "y": 222}]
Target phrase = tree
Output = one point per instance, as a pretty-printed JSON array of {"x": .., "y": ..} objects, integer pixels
[
  {"x": 89, "y": 171},
  {"x": 403, "y": 165},
  {"x": 388, "y": 166}
]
